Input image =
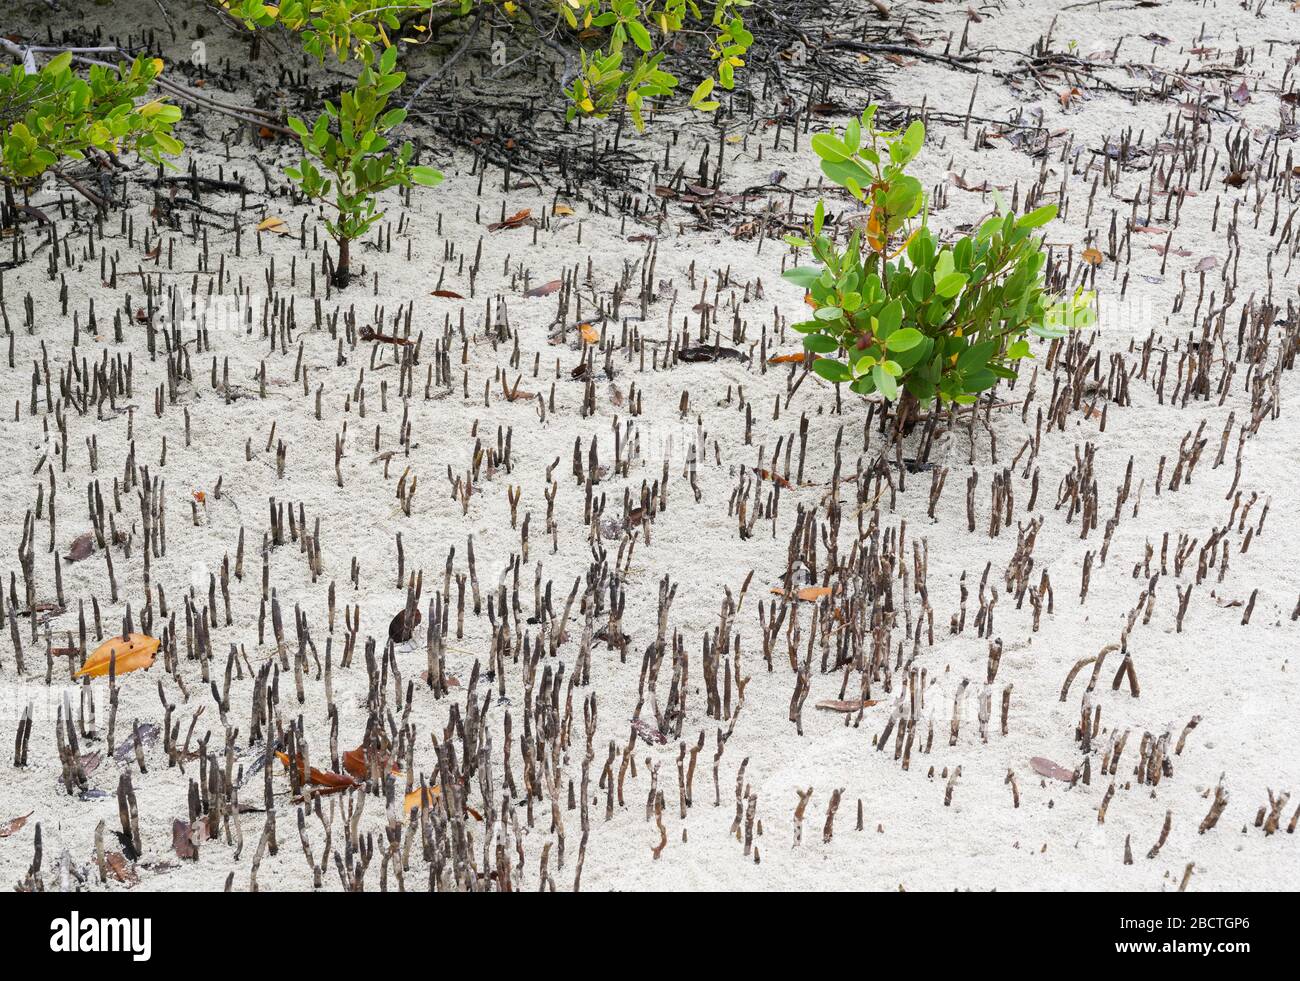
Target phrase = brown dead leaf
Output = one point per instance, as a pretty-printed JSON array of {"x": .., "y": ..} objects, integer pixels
[
  {"x": 82, "y": 547},
  {"x": 514, "y": 221},
  {"x": 447, "y": 294},
  {"x": 1092, "y": 257},
  {"x": 14, "y": 825},
  {"x": 1045, "y": 767},
  {"x": 357, "y": 764},
  {"x": 845, "y": 704},
  {"x": 181, "y": 843},
  {"x": 321, "y": 778},
  {"x": 651, "y": 734},
  {"x": 120, "y": 869},
  {"x": 135, "y": 652},
  {"x": 546, "y": 289}
]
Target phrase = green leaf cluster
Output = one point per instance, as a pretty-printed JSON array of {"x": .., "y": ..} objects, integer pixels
[
  {"x": 335, "y": 28},
  {"x": 627, "y": 69},
  {"x": 54, "y": 114},
  {"x": 896, "y": 309}
]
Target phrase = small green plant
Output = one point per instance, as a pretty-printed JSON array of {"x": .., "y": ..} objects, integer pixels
[
  {"x": 608, "y": 77},
  {"x": 896, "y": 310},
  {"x": 53, "y": 115},
  {"x": 356, "y": 160}
]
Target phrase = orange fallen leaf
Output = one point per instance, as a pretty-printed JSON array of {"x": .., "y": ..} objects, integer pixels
[
  {"x": 776, "y": 478},
  {"x": 416, "y": 798},
  {"x": 809, "y": 594},
  {"x": 514, "y": 221},
  {"x": 1092, "y": 257},
  {"x": 321, "y": 778},
  {"x": 796, "y": 358},
  {"x": 356, "y": 763},
  {"x": 589, "y": 333},
  {"x": 132, "y": 654}
]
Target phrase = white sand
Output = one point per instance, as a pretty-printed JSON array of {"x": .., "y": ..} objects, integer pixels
[{"x": 1236, "y": 678}]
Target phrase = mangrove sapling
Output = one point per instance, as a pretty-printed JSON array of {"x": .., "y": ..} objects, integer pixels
[
  {"x": 356, "y": 162},
  {"x": 897, "y": 311}
]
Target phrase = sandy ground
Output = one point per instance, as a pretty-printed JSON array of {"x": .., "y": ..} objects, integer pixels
[{"x": 950, "y": 818}]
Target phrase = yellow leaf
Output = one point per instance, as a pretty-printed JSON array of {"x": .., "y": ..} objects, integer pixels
[
  {"x": 562, "y": 209},
  {"x": 589, "y": 333},
  {"x": 132, "y": 654},
  {"x": 273, "y": 224},
  {"x": 416, "y": 798}
]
